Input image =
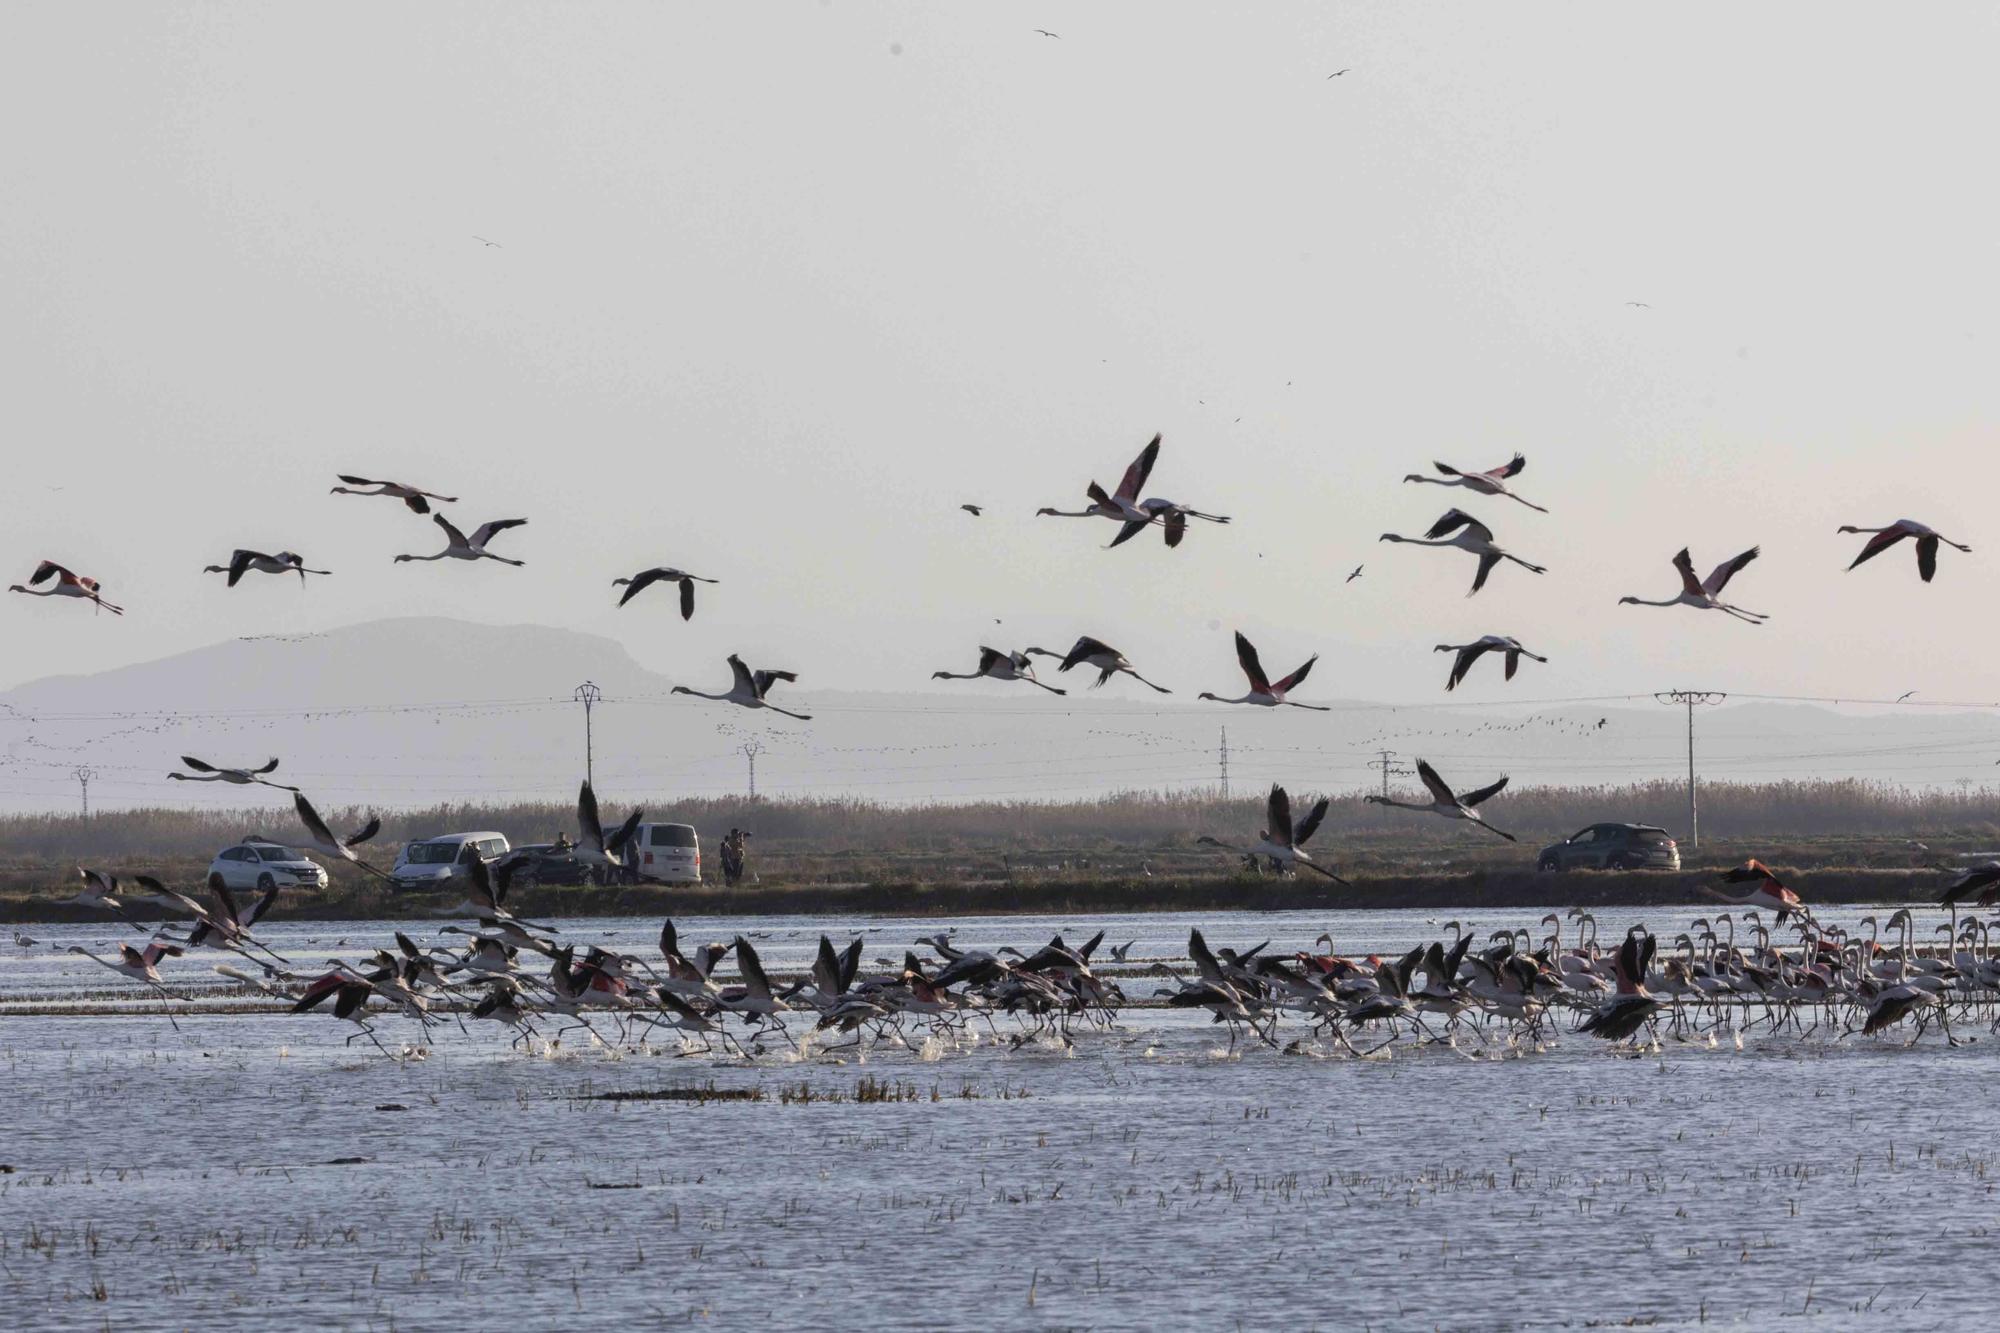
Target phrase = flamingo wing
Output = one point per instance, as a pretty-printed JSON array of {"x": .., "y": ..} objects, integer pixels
[
  {"x": 1473, "y": 798},
  {"x": 321, "y": 834},
  {"x": 1436, "y": 784},
  {"x": 1246, "y": 657},
  {"x": 1310, "y": 824},
  {"x": 744, "y": 683},
  {"x": 361, "y": 481},
  {"x": 1685, "y": 564},
  {"x": 687, "y": 599},
  {"x": 1719, "y": 579},
  {"x": 1486, "y": 564},
  {"x": 1879, "y": 543},
  {"x": 1453, "y": 520},
  {"x": 367, "y": 831},
  {"x": 452, "y": 534},
  {"x": 766, "y": 679},
  {"x": 588, "y": 826},
  {"x": 1086, "y": 648},
  {"x": 197, "y": 765},
  {"x": 990, "y": 658},
  {"x": 638, "y": 582},
  {"x": 1278, "y": 808},
  {"x": 488, "y": 531},
  {"x": 1132, "y": 528},
  {"x": 1509, "y": 468},
  {"x": 270, "y": 767},
  {"x": 1142, "y": 468},
  {"x": 1927, "y": 549},
  {"x": 1297, "y": 678}
]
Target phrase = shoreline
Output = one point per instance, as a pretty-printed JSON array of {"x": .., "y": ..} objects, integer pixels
[{"x": 1469, "y": 890}]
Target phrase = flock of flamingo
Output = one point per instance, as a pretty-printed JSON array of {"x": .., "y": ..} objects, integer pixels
[{"x": 1622, "y": 991}]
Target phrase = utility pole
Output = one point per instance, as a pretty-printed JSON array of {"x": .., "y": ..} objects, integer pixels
[
  {"x": 1688, "y": 699},
  {"x": 588, "y": 694},
  {"x": 1225, "y": 763},
  {"x": 751, "y": 749},
  {"x": 1387, "y": 763},
  {"x": 83, "y": 777}
]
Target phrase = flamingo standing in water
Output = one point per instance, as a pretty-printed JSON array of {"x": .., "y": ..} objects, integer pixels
[
  {"x": 1927, "y": 543},
  {"x": 999, "y": 666},
  {"x": 748, "y": 689},
  {"x": 65, "y": 584},
  {"x": 1473, "y": 536},
  {"x": 1109, "y": 662},
  {"x": 1493, "y": 481},
  {"x": 1444, "y": 802},
  {"x": 1706, "y": 594},
  {"x": 1263, "y": 691}
]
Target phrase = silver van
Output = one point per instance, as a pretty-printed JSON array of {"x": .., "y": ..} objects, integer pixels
[
  {"x": 669, "y": 853},
  {"x": 433, "y": 862}
]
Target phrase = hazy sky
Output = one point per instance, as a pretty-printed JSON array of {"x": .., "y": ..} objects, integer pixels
[{"x": 778, "y": 288}]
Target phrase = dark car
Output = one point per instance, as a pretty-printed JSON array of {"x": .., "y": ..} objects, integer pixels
[
  {"x": 1613, "y": 847},
  {"x": 545, "y": 863}
]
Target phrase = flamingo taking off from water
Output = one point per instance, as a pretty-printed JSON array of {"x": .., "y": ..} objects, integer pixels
[
  {"x": 1109, "y": 662},
  {"x": 409, "y": 495},
  {"x": 239, "y": 777},
  {"x": 999, "y": 666},
  {"x": 1493, "y": 481},
  {"x": 1767, "y": 892},
  {"x": 1281, "y": 840},
  {"x": 1468, "y": 653},
  {"x": 65, "y": 584},
  {"x": 459, "y": 548},
  {"x": 323, "y": 839},
  {"x": 241, "y": 562},
  {"x": 1443, "y": 802},
  {"x": 648, "y": 577},
  {"x": 1122, "y": 506},
  {"x": 1263, "y": 691},
  {"x": 749, "y": 688},
  {"x": 1706, "y": 594},
  {"x": 1473, "y": 536},
  {"x": 1927, "y": 543}
]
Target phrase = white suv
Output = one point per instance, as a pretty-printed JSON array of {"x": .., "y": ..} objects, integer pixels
[{"x": 256, "y": 864}]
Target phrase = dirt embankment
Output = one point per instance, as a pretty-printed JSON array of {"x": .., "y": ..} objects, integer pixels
[{"x": 1440, "y": 892}]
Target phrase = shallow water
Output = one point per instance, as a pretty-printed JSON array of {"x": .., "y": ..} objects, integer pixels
[{"x": 206, "y": 1176}]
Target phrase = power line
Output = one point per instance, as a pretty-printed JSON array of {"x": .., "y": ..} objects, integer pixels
[
  {"x": 1386, "y": 761},
  {"x": 588, "y": 694},
  {"x": 1689, "y": 698},
  {"x": 83, "y": 777}
]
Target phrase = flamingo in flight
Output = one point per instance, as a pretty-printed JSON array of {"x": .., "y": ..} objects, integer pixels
[
  {"x": 999, "y": 666},
  {"x": 1767, "y": 892},
  {"x": 242, "y": 562},
  {"x": 63, "y": 583},
  {"x": 1109, "y": 662},
  {"x": 1927, "y": 543},
  {"x": 1171, "y": 515},
  {"x": 1473, "y": 536},
  {"x": 1706, "y": 594},
  {"x": 239, "y": 777},
  {"x": 749, "y": 688},
  {"x": 1263, "y": 691},
  {"x": 458, "y": 547},
  {"x": 1281, "y": 840},
  {"x": 1122, "y": 506},
  {"x": 323, "y": 839},
  {"x": 1493, "y": 481},
  {"x": 646, "y": 578},
  {"x": 409, "y": 495},
  {"x": 1468, "y": 653},
  {"x": 1444, "y": 802}
]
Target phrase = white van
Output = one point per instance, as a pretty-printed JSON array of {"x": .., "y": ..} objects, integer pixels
[
  {"x": 670, "y": 853},
  {"x": 434, "y": 862}
]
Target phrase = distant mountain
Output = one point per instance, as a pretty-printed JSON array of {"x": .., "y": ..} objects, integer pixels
[{"x": 422, "y": 711}]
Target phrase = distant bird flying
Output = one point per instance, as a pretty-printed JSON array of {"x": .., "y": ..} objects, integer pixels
[
  {"x": 1337, "y": 73},
  {"x": 1263, "y": 691},
  {"x": 999, "y": 666},
  {"x": 646, "y": 578},
  {"x": 1493, "y": 481},
  {"x": 1046, "y": 33},
  {"x": 459, "y": 548},
  {"x": 973, "y": 510},
  {"x": 241, "y": 777},
  {"x": 748, "y": 689},
  {"x": 1927, "y": 544},
  {"x": 62, "y": 583},
  {"x": 1096, "y": 653},
  {"x": 1468, "y": 653},
  {"x": 1706, "y": 594},
  {"x": 409, "y": 495},
  {"x": 242, "y": 562},
  {"x": 1473, "y": 536},
  {"x": 1355, "y": 575}
]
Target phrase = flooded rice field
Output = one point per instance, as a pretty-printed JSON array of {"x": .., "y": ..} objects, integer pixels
[{"x": 243, "y": 1167}]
